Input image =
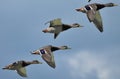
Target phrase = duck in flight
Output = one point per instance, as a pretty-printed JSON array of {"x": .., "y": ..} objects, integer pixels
[
  {"x": 56, "y": 26},
  {"x": 93, "y": 14},
  {"x": 46, "y": 53},
  {"x": 19, "y": 66}
]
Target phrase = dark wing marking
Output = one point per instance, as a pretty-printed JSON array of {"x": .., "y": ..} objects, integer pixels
[
  {"x": 56, "y": 34},
  {"x": 65, "y": 27}
]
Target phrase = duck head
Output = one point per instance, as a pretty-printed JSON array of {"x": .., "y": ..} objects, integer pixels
[
  {"x": 110, "y": 5},
  {"x": 36, "y": 62},
  {"x": 64, "y": 47},
  {"x": 75, "y": 25}
]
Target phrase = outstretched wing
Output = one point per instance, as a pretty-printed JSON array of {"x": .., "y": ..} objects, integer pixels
[
  {"x": 56, "y": 34},
  {"x": 55, "y": 22},
  {"x": 91, "y": 15},
  {"x": 95, "y": 17},
  {"x": 22, "y": 72},
  {"x": 52, "y": 62},
  {"x": 98, "y": 21},
  {"x": 49, "y": 58}
]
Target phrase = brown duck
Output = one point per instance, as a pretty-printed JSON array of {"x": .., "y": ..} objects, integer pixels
[
  {"x": 56, "y": 26},
  {"x": 19, "y": 66},
  {"x": 46, "y": 53},
  {"x": 93, "y": 14}
]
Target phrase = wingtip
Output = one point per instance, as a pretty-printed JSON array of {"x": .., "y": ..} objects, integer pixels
[
  {"x": 101, "y": 30},
  {"x": 89, "y": 0},
  {"x": 53, "y": 67},
  {"x": 3, "y": 68}
]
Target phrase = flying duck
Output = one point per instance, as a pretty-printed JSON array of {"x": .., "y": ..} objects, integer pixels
[
  {"x": 19, "y": 66},
  {"x": 46, "y": 53},
  {"x": 93, "y": 14},
  {"x": 56, "y": 26}
]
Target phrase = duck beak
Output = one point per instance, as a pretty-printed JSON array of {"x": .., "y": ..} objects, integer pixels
[
  {"x": 116, "y": 5},
  {"x": 68, "y": 48},
  {"x": 81, "y": 26}
]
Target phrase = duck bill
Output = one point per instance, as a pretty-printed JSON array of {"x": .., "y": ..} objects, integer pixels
[
  {"x": 68, "y": 48},
  {"x": 116, "y": 5},
  {"x": 81, "y": 26}
]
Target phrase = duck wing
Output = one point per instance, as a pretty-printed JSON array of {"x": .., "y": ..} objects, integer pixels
[
  {"x": 98, "y": 21},
  {"x": 91, "y": 15},
  {"x": 55, "y": 22},
  {"x": 56, "y": 34},
  {"x": 95, "y": 17},
  {"x": 22, "y": 72},
  {"x": 48, "y": 57}
]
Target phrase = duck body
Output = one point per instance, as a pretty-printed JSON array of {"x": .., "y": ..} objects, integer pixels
[
  {"x": 19, "y": 66},
  {"x": 47, "y": 55},
  {"x": 56, "y": 27},
  {"x": 93, "y": 14}
]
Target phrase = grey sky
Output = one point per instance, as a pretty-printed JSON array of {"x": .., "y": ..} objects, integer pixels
[{"x": 94, "y": 55}]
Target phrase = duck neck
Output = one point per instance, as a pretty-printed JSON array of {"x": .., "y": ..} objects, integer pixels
[
  {"x": 54, "y": 48},
  {"x": 25, "y": 63}
]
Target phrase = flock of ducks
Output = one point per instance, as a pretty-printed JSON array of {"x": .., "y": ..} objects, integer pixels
[{"x": 55, "y": 27}]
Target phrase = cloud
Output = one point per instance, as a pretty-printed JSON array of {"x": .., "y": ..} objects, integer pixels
[{"x": 92, "y": 65}]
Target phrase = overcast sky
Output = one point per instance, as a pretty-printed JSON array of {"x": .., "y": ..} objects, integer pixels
[{"x": 94, "y": 55}]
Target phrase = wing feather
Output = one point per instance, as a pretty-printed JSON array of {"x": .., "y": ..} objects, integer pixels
[
  {"x": 98, "y": 21},
  {"x": 22, "y": 72},
  {"x": 55, "y": 22}
]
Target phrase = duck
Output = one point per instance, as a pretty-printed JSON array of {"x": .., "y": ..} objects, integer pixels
[
  {"x": 46, "y": 52},
  {"x": 19, "y": 66},
  {"x": 56, "y": 26},
  {"x": 93, "y": 14}
]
